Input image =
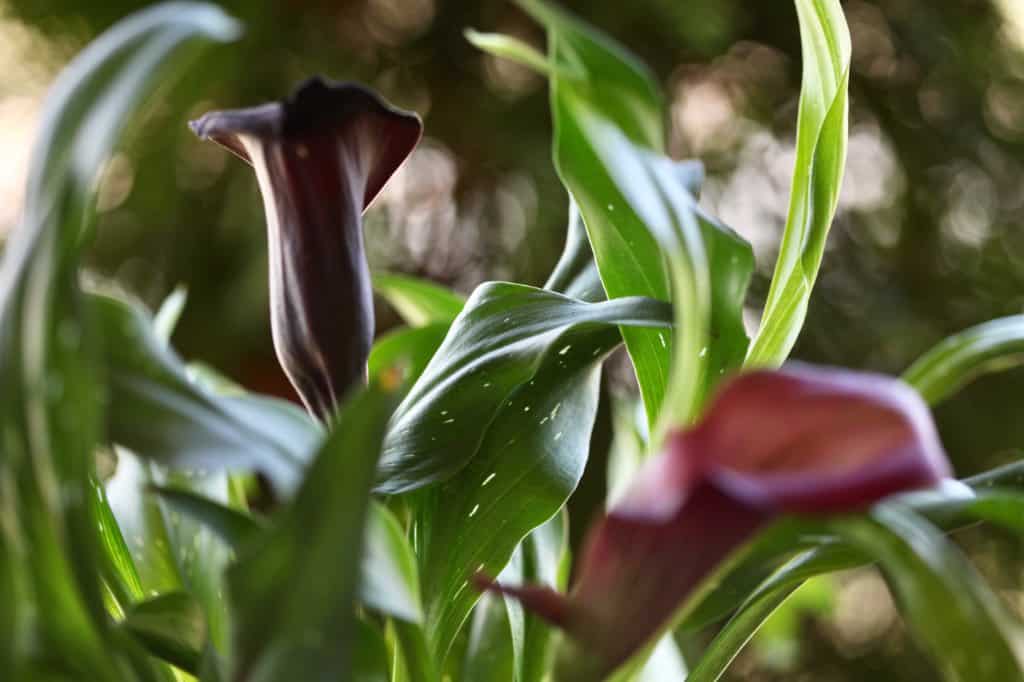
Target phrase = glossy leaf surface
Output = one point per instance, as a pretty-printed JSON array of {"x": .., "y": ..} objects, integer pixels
[
  {"x": 817, "y": 176},
  {"x": 506, "y": 337},
  {"x": 960, "y": 358},
  {"x": 590, "y": 76}
]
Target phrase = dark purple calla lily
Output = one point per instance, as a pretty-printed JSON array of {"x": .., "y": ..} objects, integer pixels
[
  {"x": 320, "y": 156},
  {"x": 800, "y": 440}
]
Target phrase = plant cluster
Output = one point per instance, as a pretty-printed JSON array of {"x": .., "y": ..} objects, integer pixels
[{"x": 158, "y": 522}]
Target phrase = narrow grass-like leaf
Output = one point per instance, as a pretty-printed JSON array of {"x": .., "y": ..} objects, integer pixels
[
  {"x": 959, "y": 359},
  {"x": 817, "y": 176},
  {"x": 390, "y": 580},
  {"x": 50, "y": 407},
  {"x": 950, "y": 610}
]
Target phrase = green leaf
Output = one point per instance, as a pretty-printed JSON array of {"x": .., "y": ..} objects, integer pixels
[
  {"x": 545, "y": 561},
  {"x": 389, "y": 583},
  {"x": 171, "y": 551},
  {"x": 817, "y": 176},
  {"x": 418, "y": 301},
  {"x": 959, "y": 359},
  {"x": 51, "y": 404},
  {"x": 293, "y": 618},
  {"x": 489, "y": 654},
  {"x": 592, "y": 76},
  {"x": 160, "y": 414},
  {"x": 232, "y": 526},
  {"x": 509, "y": 47},
  {"x": 507, "y": 336},
  {"x": 408, "y": 349},
  {"x": 575, "y": 274},
  {"x": 527, "y": 466},
  {"x": 943, "y": 600},
  {"x": 709, "y": 334},
  {"x": 171, "y": 627},
  {"x": 166, "y": 318},
  {"x": 370, "y": 654},
  {"x": 117, "y": 566},
  {"x": 637, "y": 204},
  {"x": 390, "y": 580}
]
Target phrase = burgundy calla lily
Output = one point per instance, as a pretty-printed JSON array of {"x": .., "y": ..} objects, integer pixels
[
  {"x": 320, "y": 156},
  {"x": 801, "y": 440}
]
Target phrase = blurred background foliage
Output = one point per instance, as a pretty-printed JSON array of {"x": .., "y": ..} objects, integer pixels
[{"x": 929, "y": 238}]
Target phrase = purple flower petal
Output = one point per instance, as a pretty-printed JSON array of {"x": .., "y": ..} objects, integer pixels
[
  {"x": 802, "y": 440},
  {"x": 320, "y": 156}
]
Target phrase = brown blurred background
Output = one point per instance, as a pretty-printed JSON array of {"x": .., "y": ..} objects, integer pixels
[{"x": 929, "y": 238}]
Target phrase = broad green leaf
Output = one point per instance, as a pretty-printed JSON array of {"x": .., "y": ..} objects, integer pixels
[
  {"x": 528, "y": 463},
  {"x": 418, "y": 301},
  {"x": 507, "y": 336},
  {"x": 160, "y": 414},
  {"x": 389, "y": 583},
  {"x": 232, "y": 526},
  {"x": 171, "y": 627},
  {"x": 947, "y": 606},
  {"x": 817, "y": 176},
  {"x": 293, "y": 588},
  {"x": 51, "y": 405},
  {"x": 959, "y": 359},
  {"x": 637, "y": 204},
  {"x": 592, "y": 76},
  {"x": 390, "y": 580},
  {"x": 409, "y": 349},
  {"x": 489, "y": 654},
  {"x": 709, "y": 334},
  {"x": 505, "y": 641}
]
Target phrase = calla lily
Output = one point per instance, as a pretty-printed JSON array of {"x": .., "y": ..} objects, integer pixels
[
  {"x": 320, "y": 156},
  {"x": 800, "y": 440}
]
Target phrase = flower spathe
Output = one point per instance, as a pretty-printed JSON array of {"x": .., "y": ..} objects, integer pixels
[
  {"x": 799, "y": 440},
  {"x": 320, "y": 156}
]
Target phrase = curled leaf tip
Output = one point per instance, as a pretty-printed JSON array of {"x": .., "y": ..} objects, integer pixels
[
  {"x": 799, "y": 440},
  {"x": 321, "y": 156}
]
